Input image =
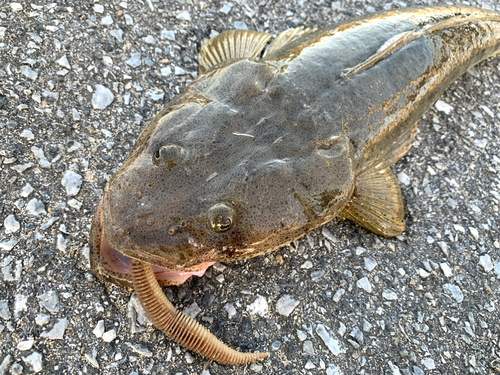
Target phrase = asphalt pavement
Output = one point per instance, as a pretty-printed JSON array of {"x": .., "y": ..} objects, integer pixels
[{"x": 78, "y": 82}]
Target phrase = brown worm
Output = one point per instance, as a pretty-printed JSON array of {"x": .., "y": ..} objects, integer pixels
[{"x": 178, "y": 326}]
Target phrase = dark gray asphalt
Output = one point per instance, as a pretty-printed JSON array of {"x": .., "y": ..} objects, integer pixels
[{"x": 434, "y": 301}]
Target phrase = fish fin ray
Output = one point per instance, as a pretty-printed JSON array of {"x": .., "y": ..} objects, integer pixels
[
  {"x": 231, "y": 45},
  {"x": 401, "y": 146},
  {"x": 285, "y": 38},
  {"x": 376, "y": 203}
]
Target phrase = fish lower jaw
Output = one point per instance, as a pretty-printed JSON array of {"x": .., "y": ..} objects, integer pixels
[{"x": 114, "y": 266}]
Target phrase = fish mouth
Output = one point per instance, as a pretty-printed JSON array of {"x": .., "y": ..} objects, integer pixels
[{"x": 109, "y": 264}]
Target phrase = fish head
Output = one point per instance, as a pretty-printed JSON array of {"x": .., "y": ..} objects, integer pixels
[{"x": 216, "y": 176}]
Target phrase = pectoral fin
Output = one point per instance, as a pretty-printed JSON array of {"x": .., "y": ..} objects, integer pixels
[
  {"x": 376, "y": 203},
  {"x": 231, "y": 46}
]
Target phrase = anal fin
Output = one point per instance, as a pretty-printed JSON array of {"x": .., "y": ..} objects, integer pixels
[
  {"x": 376, "y": 203},
  {"x": 231, "y": 45}
]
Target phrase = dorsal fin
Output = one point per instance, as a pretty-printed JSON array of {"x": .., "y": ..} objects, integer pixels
[
  {"x": 230, "y": 46},
  {"x": 286, "y": 37}
]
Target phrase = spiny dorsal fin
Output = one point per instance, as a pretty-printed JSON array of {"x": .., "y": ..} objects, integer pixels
[
  {"x": 231, "y": 45},
  {"x": 376, "y": 203},
  {"x": 286, "y": 37}
]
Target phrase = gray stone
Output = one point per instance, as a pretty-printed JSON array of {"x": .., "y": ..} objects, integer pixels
[
  {"x": 72, "y": 182},
  {"x": 240, "y": 25},
  {"x": 178, "y": 71},
  {"x": 338, "y": 294},
  {"x": 25, "y": 345},
  {"x": 98, "y": 8},
  {"x": 4, "y": 366},
  {"x": 258, "y": 307},
  {"x": 370, "y": 263},
  {"x": 446, "y": 269},
  {"x": 63, "y": 61},
  {"x": 364, "y": 284},
  {"x": 155, "y": 95},
  {"x": 26, "y": 71},
  {"x": 9, "y": 244},
  {"x": 11, "y": 225},
  {"x": 168, "y": 34},
  {"x": 109, "y": 336},
  {"x": 140, "y": 350},
  {"x": 42, "y": 319},
  {"x": 107, "y": 20},
  {"x": 20, "y": 168},
  {"x": 50, "y": 301},
  {"x": 40, "y": 156},
  {"x": 16, "y": 369},
  {"x": 286, "y": 304},
  {"x": 135, "y": 60},
  {"x": 57, "y": 332},
  {"x": 4, "y": 310},
  {"x": 443, "y": 107},
  {"x": 117, "y": 34},
  {"x": 26, "y": 190},
  {"x": 394, "y": 369},
  {"x": 35, "y": 207},
  {"x": 226, "y": 8},
  {"x": 334, "y": 370},
  {"x": 485, "y": 262},
  {"x": 307, "y": 347},
  {"x": 192, "y": 310},
  {"x": 184, "y": 16},
  {"x": 428, "y": 363},
  {"x": 76, "y": 114},
  {"x": 231, "y": 311},
  {"x": 455, "y": 291},
  {"x": 389, "y": 295},
  {"x": 334, "y": 345},
  {"x": 102, "y": 97},
  {"x": 357, "y": 334},
  {"x": 34, "y": 360}
]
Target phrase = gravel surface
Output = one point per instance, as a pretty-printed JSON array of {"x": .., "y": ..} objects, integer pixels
[{"x": 77, "y": 85}]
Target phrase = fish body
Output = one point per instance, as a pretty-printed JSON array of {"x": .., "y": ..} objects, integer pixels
[{"x": 260, "y": 150}]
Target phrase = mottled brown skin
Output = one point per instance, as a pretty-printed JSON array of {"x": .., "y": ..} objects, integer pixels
[{"x": 283, "y": 141}]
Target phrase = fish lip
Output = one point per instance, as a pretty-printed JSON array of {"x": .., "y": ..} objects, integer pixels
[{"x": 110, "y": 262}]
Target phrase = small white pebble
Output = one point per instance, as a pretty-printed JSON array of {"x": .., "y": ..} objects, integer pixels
[
  {"x": 109, "y": 336},
  {"x": 28, "y": 134},
  {"x": 389, "y": 295},
  {"x": 446, "y": 269},
  {"x": 423, "y": 273},
  {"x": 99, "y": 329},
  {"x": 258, "y": 307},
  {"x": 443, "y": 107},
  {"x": 286, "y": 304},
  {"x": 485, "y": 262},
  {"x": 184, "y": 16},
  {"x": 364, "y": 284},
  {"x": 11, "y": 225},
  {"x": 25, "y": 345},
  {"x": 474, "y": 233}
]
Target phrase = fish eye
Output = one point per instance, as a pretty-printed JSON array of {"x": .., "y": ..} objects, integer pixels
[
  {"x": 168, "y": 156},
  {"x": 221, "y": 217}
]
